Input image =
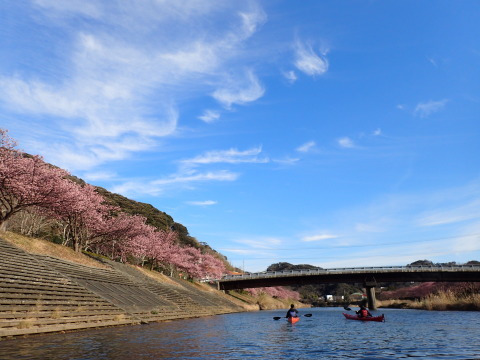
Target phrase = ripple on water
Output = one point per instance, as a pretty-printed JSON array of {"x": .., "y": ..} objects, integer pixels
[{"x": 326, "y": 335}]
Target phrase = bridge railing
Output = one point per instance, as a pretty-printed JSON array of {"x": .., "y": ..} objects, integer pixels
[{"x": 352, "y": 270}]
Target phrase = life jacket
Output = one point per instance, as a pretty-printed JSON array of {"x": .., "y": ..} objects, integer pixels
[
  {"x": 364, "y": 313},
  {"x": 293, "y": 313}
]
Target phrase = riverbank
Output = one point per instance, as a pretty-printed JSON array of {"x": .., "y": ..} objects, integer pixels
[
  {"x": 441, "y": 301},
  {"x": 42, "y": 292},
  {"x": 46, "y": 287}
]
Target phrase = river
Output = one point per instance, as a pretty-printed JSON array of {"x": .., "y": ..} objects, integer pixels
[{"x": 256, "y": 335}]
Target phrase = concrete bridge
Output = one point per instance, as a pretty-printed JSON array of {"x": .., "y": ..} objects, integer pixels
[{"x": 368, "y": 276}]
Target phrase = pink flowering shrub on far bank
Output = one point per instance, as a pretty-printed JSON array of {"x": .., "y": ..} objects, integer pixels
[{"x": 275, "y": 291}]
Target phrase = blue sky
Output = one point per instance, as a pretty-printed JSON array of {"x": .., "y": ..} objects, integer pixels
[{"x": 333, "y": 133}]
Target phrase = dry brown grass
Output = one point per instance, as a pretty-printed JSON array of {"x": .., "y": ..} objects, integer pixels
[
  {"x": 56, "y": 313},
  {"x": 443, "y": 300},
  {"x": 398, "y": 304},
  {"x": 26, "y": 324},
  {"x": 156, "y": 275},
  {"x": 448, "y": 300},
  {"x": 44, "y": 247}
]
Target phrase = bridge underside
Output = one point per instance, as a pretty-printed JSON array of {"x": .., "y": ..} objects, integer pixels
[
  {"x": 298, "y": 280},
  {"x": 368, "y": 279}
]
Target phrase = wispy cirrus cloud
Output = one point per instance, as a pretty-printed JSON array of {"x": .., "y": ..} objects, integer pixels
[
  {"x": 123, "y": 74},
  {"x": 239, "y": 90},
  {"x": 230, "y": 156},
  {"x": 202, "y": 203},
  {"x": 468, "y": 210},
  {"x": 346, "y": 142},
  {"x": 308, "y": 146},
  {"x": 209, "y": 116},
  {"x": 173, "y": 182},
  {"x": 188, "y": 174},
  {"x": 319, "y": 237},
  {"x": 424, "y": 110},
  {"x": 286, "y": 160},
  {"x": 260, "y": 242},
  {"x": 99, "y": 175},
  {"x": 291, "y": 76},
  {"x": 308, "y": 61},
  {"x": 181, "y": 178}
]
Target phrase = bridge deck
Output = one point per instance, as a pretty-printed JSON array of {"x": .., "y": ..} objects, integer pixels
[{"x": 459, "y": 273}]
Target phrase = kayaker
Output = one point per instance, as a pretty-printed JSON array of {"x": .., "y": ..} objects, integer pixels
[
  {"x": 363, "y": 312},
  {"x": 292, "y": 312}
]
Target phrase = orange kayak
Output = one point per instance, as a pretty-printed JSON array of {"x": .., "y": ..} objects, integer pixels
[{"x": 293, "y": 320}]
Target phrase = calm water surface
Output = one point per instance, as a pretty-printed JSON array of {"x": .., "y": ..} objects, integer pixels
[{"x": 325, "y": 335}]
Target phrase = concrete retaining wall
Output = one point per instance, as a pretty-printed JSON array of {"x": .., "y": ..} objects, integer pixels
[{"x": 40, "y": 294}]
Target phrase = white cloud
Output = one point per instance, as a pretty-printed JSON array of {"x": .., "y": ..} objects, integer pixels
[
  {"x": 291, "y": 76},
  {"x": 252, "y": 20},
  {"x": 286, "y": 161},
  {"x": 222, "y": 175},
  {"x": 308, "y": 62},
  {"x": 452, "y": 214},
  {"x": 424, "y": 110},
  {"x": 202, "y": 203},
  {"x": 260, "y": 242},
  {"x": 377, "y": 132},
  {"x": 99, "y": 175},
  {"x": 178, "y": 181},
  {"x": 239, "y": 90},
  {"x": 231, "y": 156},
  {"x": 188, "y": 176},
  {"x": 123, "y": 72},
  {"x": 346, "y": 142},
  {"x": 319, "y": 237},
  {"x": 306, "y": 147},
  {"x": 470, "y": 241},
  {"x": 209, "y": 116},
  {"x": 240, "y": 251},
  {"x": 86, "y": 8}
]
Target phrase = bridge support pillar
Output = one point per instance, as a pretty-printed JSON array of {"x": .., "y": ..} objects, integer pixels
[{"x": 370, "y": 289}]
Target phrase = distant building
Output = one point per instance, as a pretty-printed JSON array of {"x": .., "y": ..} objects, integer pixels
[
  {"x": 233, "y": 273},
  {"x": 333, "y": 298}
]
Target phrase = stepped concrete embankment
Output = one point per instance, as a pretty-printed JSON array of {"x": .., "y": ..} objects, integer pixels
[{"x": 42, "y": 294}]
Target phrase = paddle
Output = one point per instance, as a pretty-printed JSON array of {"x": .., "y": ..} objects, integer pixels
[
  {"x": 347, "y": 308},
  {"x": 279, "y": 317}
]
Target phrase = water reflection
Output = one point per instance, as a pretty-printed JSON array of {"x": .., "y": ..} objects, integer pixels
[{"x": 326, "y": 335}]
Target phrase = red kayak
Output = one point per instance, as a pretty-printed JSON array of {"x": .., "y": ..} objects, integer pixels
[
  {"x": 380, "y": 318},
  {"x": 293, "y": 320}
]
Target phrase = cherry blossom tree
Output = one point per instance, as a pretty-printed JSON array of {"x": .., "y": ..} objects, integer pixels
[
  {"x": 26, "y": 181},
  {"x": 39, "y": 191},
  {"x": 82, "y": 213},
  {"x": 197, "y": 265},
  {"x": 119, "y": 234},
  {"x": 212, "y": 267}
]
